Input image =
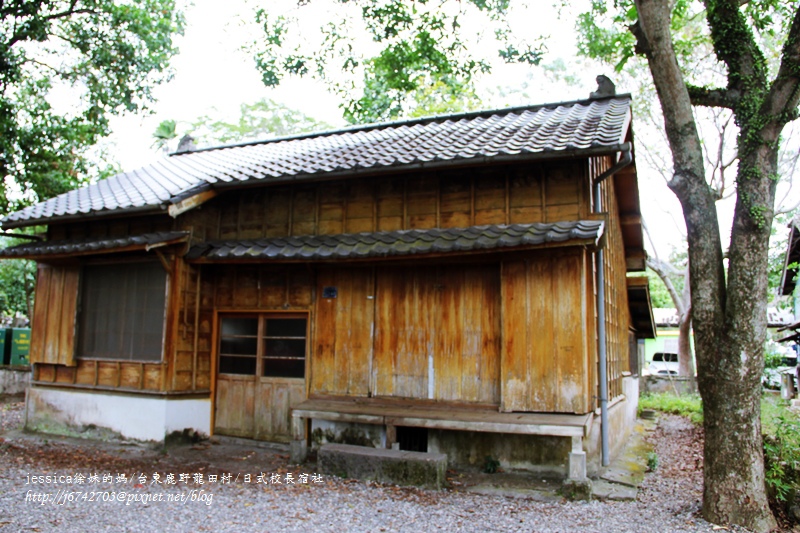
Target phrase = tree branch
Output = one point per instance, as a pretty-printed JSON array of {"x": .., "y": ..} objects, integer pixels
[
  {"x": 703, "y": 96},
  {"x": 781, "y": 103},
  {"x": 735, "y": 46},
  {"x": 660, "y": 268}
]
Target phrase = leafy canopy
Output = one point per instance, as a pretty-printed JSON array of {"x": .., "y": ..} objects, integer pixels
[
  {"x": 388, "y": 52},
  {"x": 260, "y": 120},
  {"x": 65, "y": 67}
]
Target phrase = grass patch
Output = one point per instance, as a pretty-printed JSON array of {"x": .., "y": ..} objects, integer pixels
[{"x": 690, "y": 405}]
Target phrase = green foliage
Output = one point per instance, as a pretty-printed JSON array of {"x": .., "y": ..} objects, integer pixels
[
  {"x": 17, "y": 281},
  {"x": 261, "y": 120},
  {"x": 781, "y": 430},
  {"x": 659, "y": 295},
  {"x": 652, "y": 461},
  {"x": 416, "y": 48},
  {"x": 690, "y": 405},
  {"x": 772, "y": 359},
  {"x": 165, "y": 132},
  {"x": 105, "y": 56}
]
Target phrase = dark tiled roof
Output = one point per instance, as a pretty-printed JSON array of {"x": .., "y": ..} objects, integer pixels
[
  {"x": 93, "y": 245},
  {"x": 548, "y": 131},
  {"x": 398, "y": 243}
]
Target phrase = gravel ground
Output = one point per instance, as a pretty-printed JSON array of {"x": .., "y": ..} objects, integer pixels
[{"x": 668, "y": 501}]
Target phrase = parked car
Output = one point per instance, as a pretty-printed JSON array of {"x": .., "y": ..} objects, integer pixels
[{"x": 663, "y": 364}]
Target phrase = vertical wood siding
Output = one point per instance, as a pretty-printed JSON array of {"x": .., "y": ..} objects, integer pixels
[
  {"x": 545, "y": 356},
  {"x": 501, "y": 195},
  {"x": 425, "y": 332},
  {"x": 53, "y": 327}
]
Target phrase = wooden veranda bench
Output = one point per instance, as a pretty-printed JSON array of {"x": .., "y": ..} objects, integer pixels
[{"x": 392, "y": 413}]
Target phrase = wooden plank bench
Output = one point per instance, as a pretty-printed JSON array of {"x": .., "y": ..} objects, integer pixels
[{"x": 439, "y": 415}]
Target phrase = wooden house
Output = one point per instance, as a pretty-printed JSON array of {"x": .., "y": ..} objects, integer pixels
[{"x": 405, "y": 284}]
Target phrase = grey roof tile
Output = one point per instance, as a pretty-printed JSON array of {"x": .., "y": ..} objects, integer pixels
[
  {"x": 570, "y": 126},
  {"x": 93, "y": 244},
  {"x": 398, "y": 243}
]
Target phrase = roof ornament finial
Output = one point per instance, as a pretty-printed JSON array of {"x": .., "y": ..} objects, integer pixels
[
  {"x": 605, "y": 87},
  {"x": 186, "y": 144}
]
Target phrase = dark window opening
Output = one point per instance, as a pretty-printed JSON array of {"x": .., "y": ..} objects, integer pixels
[
  {"x": 412, "y": 439},
  {"x": 121, "y": 313},
  {"x": 268, "y": 346},
  {"x": 238, "y": 345},
  {"x": 285, "y": 348}
]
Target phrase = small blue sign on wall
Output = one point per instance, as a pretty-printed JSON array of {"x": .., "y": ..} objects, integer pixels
[{"x": 329, "y": 292}]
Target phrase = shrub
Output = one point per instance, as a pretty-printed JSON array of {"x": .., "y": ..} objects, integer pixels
[{"x": 781, "y": 430}]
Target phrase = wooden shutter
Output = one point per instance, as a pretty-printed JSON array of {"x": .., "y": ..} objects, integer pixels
[{"x": 53, "y": 328}]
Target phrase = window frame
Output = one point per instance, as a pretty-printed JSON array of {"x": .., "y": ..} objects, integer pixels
[
  {"x": 79, "y": 332},
  {"x": 263, "y": 317}
]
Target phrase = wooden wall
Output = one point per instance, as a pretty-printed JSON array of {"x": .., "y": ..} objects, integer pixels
[
  {"x": 521, "y": 335},
  {"x": 618, "y": 317},
  {"x": 121, "y": 227},
  {"x": 504, "y": 195},
  {"x": 547, "y": 353},
  {"x": 53, "y": 334},
  {"x": 413, "y": 332}
]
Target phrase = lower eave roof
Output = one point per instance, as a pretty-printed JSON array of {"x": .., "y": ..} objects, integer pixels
[
  {"x": 350, "y": 246},
  {"x": 641, "y": 307},
  {"x": 93, "y": 245}
]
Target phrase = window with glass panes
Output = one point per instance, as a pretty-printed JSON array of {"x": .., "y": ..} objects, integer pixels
[{"x": 271, "y": 345}]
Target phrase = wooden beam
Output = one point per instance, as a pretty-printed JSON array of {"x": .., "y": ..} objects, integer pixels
[
  {"x": 630, "y": 219},
  {"x": 164, "y": 262},
  {"x": 190, "y": 203}
]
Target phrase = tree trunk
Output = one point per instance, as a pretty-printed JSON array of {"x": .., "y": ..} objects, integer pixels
[
  {"x": 729, "y": 321},
  {"x": 685, "y": 356}
]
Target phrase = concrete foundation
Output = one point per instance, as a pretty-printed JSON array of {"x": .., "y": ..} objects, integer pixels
[
  {"x": 130, "y": 416},
  {"x": 673, "y": 384},
  {"x": 386, "y": 466},
  {"x": 14, "y": 380},
  {"x": 621, "y": 421}
]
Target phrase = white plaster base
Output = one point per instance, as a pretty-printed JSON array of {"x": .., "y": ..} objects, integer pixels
[
  {"x": 133, "y": 417},
  {"x": 14, "y": 380},
  {"x": 621, "y": 421}
]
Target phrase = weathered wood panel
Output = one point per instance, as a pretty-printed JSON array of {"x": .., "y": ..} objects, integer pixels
[
  {"x": 490, "y": 199},
  {"x": 403, "y": 340},
  {"x": 467, "y": 334},
  {"x": 65, "y": 374},
  {"x": 113, "y": 228},
  {"x": 323, "y": 355},
  {"x": 544, "y": 358},
  {"x": 108, "y": 374},
  {"x": 53, "y": 328},
  {"x": 235, "y": 406},
  {"x": 87, "y": 372},
  {"x": 272, "y": 410},
  {"x": 437, "y": 333},
  {"x": 515, "y": 357},
  {"x": 516, "y": 194}
]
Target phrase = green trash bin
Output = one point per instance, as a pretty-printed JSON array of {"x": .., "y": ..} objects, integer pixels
[{"x": 20, "y": 346}]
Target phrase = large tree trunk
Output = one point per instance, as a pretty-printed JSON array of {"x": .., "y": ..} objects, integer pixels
[
  {"x": 731, "y": 381},
  {"x": 729, "y": 320}
]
